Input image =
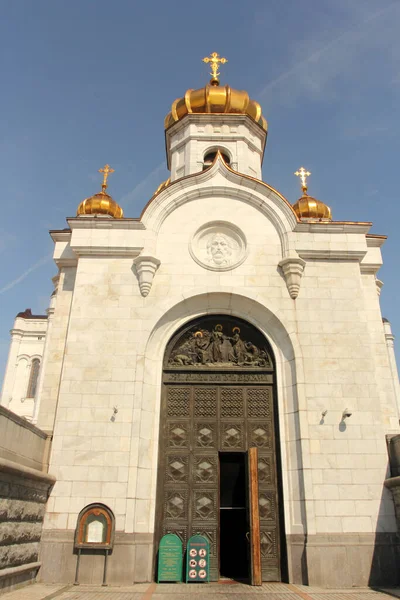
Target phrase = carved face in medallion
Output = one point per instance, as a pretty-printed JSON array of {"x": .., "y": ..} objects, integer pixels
[
  {"x": 218, "y": 246},
  {"x": 219, "y": 249}
]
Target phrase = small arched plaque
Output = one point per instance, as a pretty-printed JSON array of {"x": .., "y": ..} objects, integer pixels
[{"x": 95, "y": 527}]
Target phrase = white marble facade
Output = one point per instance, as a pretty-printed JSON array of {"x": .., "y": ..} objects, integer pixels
[
  {"x": 19, "y": 391},
  {"x": 218, "y": 241}
]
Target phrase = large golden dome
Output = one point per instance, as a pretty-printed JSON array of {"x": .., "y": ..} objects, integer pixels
[
  {"x": 214, "y": 98},
  {"x": 101, "y": 203}
]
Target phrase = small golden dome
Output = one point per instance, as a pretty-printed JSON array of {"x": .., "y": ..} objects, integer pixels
[
  {"x": 101, "y": 203},
  {"x": 308, "y": 207},
  {"x": 214, "y": 98}
]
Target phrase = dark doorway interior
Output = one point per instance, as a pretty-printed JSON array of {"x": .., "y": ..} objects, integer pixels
[{"x": 233, "y": 516}]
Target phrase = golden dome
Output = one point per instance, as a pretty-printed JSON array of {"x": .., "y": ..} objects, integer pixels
[
  {"x": 101, "y": 203},
  {"x": 214, "y": 98},
  {"x": 308, "y": 207}
]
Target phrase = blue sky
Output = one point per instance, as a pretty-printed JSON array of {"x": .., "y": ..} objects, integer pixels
[{"x": 88, "y": 82}]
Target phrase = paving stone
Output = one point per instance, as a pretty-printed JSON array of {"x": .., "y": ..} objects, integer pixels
[{"x": 212, "y": 591}]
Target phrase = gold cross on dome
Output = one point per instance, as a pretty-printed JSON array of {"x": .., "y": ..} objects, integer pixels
[
  {"x": 106, "y": 170},
  {"x": 215, "y": 59},
  {"x": 303, "y": 174}
]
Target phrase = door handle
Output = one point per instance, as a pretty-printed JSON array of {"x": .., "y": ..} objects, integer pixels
[{"x": 248, "y": 536}]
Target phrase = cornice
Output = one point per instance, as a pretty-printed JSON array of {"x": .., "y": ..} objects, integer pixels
[
  {"x": 107, "y": 251},
  {"x": 375, "y": 241},
  {"x": 333, "y": 227},
  {"x": 104, "y": 223},
  {"x": 60, "y": 235},
  {"x": 328, "y": 254}
]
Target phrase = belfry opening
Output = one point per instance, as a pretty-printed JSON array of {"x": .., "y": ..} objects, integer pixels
[{"x": 219, "y": 467}]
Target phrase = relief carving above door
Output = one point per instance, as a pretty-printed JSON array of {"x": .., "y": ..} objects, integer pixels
[{"x": 219, "y": 346}]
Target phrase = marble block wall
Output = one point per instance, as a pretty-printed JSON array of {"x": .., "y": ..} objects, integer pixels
[{"x": 330, "y": 351}]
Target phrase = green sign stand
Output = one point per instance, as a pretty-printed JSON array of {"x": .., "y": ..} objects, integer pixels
[
  {"x": 169, "y": 558},
  {"x": 198, "y": 559}
]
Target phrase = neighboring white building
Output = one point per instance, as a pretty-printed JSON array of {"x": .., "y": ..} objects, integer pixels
[
  {"x": 24, "y": 362},
  {"x": 223, "y": 318}
]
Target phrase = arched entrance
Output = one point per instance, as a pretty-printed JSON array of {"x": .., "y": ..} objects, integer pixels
[{"x": 218, "y": 402}]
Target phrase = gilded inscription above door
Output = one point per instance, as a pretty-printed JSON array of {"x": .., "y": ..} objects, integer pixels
[{"x": 218, "y": 396}]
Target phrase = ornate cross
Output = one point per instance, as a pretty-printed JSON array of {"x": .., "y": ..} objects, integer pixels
[
  {"x": 106, "y": 170},
  {"x": 215, "y": 59},
  {"x": 303, "y": 174}
]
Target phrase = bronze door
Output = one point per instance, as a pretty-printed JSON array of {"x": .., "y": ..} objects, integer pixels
[
  {"x": 253, "y": 517},
  {"x": 211, "y": 406}
]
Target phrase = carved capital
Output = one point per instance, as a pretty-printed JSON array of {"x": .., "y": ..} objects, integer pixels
[
  {"x": 146, "y": 266},
  {"x": 292, "y": 269}
]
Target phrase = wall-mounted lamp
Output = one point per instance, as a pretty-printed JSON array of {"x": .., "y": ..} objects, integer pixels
[
  {"x": 346, "y": 414},
  {"x": 324, "y": 413}
]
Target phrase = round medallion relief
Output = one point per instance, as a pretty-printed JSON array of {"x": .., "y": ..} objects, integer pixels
[{"x": 219, "y": 246}]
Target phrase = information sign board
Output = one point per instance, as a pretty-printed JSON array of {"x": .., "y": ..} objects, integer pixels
[
  {"x": 198, "y": 559},
  {"x": 170, "y": 558}
]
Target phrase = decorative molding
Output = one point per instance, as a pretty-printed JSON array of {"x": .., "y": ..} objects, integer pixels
[
  {"x": 379, "y": 286},
  {"x": 334, "y": 227},
  {"x": 370, "y": 268},
  {"x": 102, "y": 222},
  {"x": 146, "y": 266},
  {"x": 292, "y": 269},
  {"x": 107, "y": 251},
  {"x": 327, "y": 254}
]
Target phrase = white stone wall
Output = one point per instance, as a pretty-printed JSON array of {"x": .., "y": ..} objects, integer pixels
[
  {"x": 109, "y": 340},
  {"x": 27, "y": 343}
]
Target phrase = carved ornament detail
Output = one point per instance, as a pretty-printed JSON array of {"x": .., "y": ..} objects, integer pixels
[
  {"x": 146, "y": 266},
  {"x": 292, "y": 269},
  {"x": 218, "y": 348},
  {"x": 218, "y": 246}
]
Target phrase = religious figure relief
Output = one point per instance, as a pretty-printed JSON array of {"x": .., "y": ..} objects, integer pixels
[
  {"x": 204, "y": 348},
  {"x": 219, "y": 246},
  {"x": 219, "y": 250}
]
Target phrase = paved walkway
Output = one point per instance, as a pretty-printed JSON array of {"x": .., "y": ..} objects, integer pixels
[{"x": 212, "y": 591}]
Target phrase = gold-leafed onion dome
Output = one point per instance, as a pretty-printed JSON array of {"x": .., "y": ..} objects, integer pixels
[
  {"x": 101, "y": 203},
  {"x": 308, "y": 207},
  {"x": 214, "y": 98}
]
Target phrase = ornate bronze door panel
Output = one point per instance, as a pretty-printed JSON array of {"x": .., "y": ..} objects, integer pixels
[{"x": 218, "y": 395}]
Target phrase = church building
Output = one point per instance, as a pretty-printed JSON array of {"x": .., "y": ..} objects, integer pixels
[{"x": 218, "y": 366}]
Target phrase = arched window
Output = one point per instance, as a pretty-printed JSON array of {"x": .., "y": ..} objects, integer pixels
[
  {"x": 210, "y": 156},
  {"x": 33, "y": 378}
]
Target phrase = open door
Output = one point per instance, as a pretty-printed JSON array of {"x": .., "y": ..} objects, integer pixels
[{"x": 253, "y": 518}]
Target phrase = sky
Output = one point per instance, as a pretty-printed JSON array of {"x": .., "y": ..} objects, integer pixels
[{"x": 88, "y": 82}]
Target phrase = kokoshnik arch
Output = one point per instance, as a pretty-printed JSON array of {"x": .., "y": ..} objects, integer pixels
[{"x": 223, "y": 319}]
